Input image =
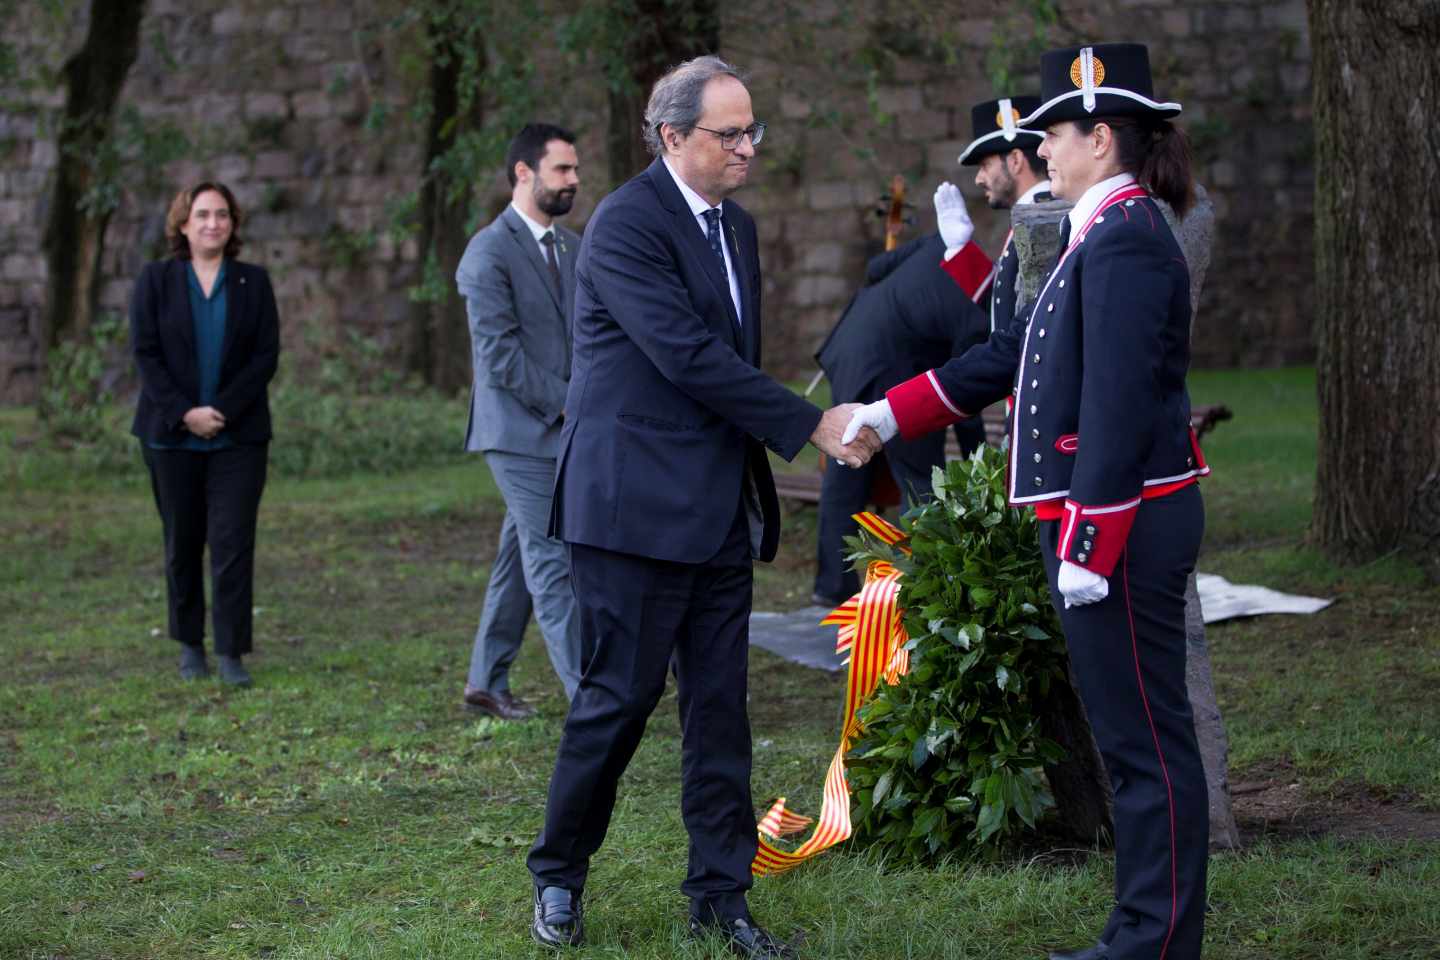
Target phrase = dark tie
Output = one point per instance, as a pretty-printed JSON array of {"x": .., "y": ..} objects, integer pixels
[
  {"x": 1064, "y": 233},
  {"x": 712, "y": 233},
  {"x": 548, "y": 239}
]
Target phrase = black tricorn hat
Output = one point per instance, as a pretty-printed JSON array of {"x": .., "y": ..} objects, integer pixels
[
  {"x": 1101, "y": 80},
  {"x": 997, "y": 128}
]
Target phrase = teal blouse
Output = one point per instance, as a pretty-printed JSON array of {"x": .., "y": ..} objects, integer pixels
[{"x": 208, "y": 316}]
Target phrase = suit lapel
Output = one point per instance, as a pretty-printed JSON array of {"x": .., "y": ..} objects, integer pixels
[
  {"x": 236, "y": 300},
  {"x": 530, "y": 250},
  {"x": 750, "y": 325},
  {"x": 178, "y": 284}
]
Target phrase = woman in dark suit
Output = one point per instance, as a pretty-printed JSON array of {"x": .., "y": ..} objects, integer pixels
[{"x": 206, "y": 338}]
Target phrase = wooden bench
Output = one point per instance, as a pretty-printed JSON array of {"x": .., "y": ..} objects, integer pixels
[{"x": 803, "y": 486}]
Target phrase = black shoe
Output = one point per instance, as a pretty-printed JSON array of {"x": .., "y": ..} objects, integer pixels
[
  {"x": 1097, "y": 952},
  {"x": 192, "y": 663},
  {"x": 744, "y": 939},
  {"x": 558, "y": 918},
  {"x": 233, "y": 671}
]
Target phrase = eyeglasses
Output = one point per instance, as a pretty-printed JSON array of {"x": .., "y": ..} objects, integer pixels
[{"x": 730, "y": 139}]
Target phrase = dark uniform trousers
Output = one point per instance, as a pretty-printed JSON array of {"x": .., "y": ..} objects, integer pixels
[
  {"x": 209, "y": 497},
  {"x": 635, "y": 614},
  {"x": 1128, "y": 654}
]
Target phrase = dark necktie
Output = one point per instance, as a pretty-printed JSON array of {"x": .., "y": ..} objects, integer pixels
[
  {"x": 548, "y": 240},
  {"x": 1064, "y": 233},
  {"x": 712, "y": 233}
]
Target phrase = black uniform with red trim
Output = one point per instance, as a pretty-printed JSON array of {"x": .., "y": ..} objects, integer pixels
[{"x": 1101, "y": 446}]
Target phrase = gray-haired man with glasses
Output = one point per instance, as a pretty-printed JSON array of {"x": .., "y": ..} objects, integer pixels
[{"x": 664, "y": 495}]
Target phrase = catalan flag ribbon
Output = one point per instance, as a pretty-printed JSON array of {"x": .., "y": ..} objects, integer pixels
[{"x": 872, "y": 634}]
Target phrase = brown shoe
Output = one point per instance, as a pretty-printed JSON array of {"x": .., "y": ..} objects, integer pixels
[{"x": 502, "y": 704}]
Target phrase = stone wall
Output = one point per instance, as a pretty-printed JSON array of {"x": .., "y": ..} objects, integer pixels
[{"x": 277, "y": 98}]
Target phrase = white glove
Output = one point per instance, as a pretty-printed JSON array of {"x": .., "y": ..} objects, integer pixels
[
  {"x": 875, "y": 415},
  {"x": 955, "y": 226},
  {"x": 1080, "y": 586}
]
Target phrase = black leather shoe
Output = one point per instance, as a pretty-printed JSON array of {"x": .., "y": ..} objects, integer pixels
[
  {"x": 192, "y": 663},
  {"x": 744, "y": 939},
  {"x": 558, "y": 920},
  {"x": 503, "y": 704},
  {"x": 232, "y": 671},
  {"x": 1097, "y": 952}
]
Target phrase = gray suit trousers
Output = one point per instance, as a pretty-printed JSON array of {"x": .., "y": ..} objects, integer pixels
[{"x": 541, "y": 576}]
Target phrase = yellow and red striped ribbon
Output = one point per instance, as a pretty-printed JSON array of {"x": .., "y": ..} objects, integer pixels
[{"x": 872, "y": 633}]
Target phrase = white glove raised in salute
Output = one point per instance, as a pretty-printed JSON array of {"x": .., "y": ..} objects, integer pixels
[
  {"x": 1079, "y": 586},
  {"x": 955, "y": 226},
  {"x": 876, "y": 416}
]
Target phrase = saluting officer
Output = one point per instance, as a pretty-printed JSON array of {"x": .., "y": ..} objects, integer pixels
[{"x": 1101, "y": 446}]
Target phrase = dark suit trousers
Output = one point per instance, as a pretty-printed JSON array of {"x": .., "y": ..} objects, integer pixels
[
  {"x": 1128, "y": 654},
  {"x": 635, "y": 614},
  {"x": 209, "y": 497}
]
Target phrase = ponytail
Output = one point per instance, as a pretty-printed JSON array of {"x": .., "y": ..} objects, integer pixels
[{"x": 1157, "y": 152}]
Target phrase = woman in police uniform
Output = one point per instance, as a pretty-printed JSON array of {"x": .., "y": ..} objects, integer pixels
[{"x": 1101, "y": 447}]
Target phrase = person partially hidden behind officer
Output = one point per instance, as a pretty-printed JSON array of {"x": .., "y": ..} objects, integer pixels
[
  {"x": 665, "y": 498},
  {"x": 518, "y": 280},
  {"x": 1010, "y": 171},
  {"x": 910, "y": 316},
  {"x": 1101, "y": 447}
]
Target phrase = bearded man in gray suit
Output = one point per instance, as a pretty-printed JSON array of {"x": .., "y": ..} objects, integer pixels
[{"x": 518, "y": 280}]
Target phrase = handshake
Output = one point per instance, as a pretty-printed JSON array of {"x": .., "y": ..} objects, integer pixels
[{"x": 852, "y": 433}]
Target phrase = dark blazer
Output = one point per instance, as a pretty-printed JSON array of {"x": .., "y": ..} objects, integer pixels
[
  {"x": 912, "y": 316},
  {"x": 667, "y": 409},
  {"x": 162, "y": 336}
]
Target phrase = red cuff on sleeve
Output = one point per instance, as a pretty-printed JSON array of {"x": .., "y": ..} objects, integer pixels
[
  {"x": 920, "y": 406},
  {"x": 970, "y": 268},
  {"x": 1094, "y": 537}
]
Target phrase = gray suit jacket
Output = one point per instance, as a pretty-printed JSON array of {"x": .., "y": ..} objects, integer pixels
[{"x": 519, "y": 336}]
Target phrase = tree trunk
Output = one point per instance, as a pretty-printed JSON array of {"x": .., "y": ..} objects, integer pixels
[
  {"x": 75, "y": 237},
  {"x": 438, "y": 344},
  {"x": 666, "y": 33},
  {"x": 1079, "y": 783},
  {"x": 1377, "y": 275}
]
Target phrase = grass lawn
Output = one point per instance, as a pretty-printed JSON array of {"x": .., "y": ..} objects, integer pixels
[{"x": 346, "y": 807}]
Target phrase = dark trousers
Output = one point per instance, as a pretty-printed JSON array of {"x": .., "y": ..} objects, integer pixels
[
  {"x": 637, "y": 613},
  {"x": 1128, "y": 653},
  {"x": 845, "y": 492},
  {"x": 209, "y": 497}
]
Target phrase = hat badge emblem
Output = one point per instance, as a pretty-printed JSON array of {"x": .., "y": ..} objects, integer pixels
[
  {"x": 1077, "y": 76},
  {"x": 1014, "y": 118}
]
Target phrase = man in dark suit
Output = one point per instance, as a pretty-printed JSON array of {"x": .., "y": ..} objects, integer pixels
[
  {"x": 665, "y": 497},
  {"x": 518, "y": 279},
  {"x": 908, "y": 318}
]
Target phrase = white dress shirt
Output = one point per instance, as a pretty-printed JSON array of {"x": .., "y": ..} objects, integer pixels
[
  {"x": 1029, "y": 195},
  {"x": 698, "y": 206},
  {"x": 537, "y": 232}
]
